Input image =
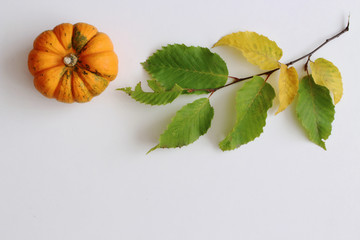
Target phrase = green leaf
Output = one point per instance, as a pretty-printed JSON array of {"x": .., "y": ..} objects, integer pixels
[
  {"x": 315, "y": 110},
  {"x": 156, "y": 86},
  {"x": 253, "y": 101},
  {"x": 189, "y": 123},
  {"x": 153, "y": 98},
  {"x": 189, "y": 67}
]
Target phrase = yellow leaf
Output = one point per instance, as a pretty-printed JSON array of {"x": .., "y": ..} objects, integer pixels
[
  {"x": 257, "y": 49},
  {"x": 325, "y": 73},
  {"x": 288, "y": 86}
]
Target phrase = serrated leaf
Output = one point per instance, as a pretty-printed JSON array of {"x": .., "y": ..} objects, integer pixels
[
  {"x": 288, "y": 86},
  {"x": 153, "y": 98},
  {"x": 189, "y": 67},
  {"x": 189, "y": 123},
  {"x": 252, "y": 103},
  {"x": 315, "y": 110},
  {"x": 256, "y": 48},
  {"x": 156, "y": 86},
  {"x": 326, "y": 74}
]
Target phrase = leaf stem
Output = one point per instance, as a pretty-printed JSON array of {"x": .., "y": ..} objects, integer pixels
[{"x": 268, "y": 73}]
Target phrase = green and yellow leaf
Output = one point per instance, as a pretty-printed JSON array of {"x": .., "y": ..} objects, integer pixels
[
  {"x": 153, "y": 98},
  {"x": 315, "y": 110},
  {"x": 188, "y": 67},
  {"x": 253, "y": 101},
  {"x": 325, "y": 73},
  {"x": 189, "y": 123},
  {"x": 288, "y": 86},
  {"x": 256, "y": 48}
]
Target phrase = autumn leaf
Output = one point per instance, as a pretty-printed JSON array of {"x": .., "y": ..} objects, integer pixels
[
  {"x": 326, "y": 74},
  {"x": 288, "y": 86},
  {"x": 256, "y": 48}
]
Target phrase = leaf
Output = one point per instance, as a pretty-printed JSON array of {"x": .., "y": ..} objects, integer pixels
[
  {"x": 156, "y": 86},
  {"x": 189, "y": 123},
  {"x": 153, "y": 98},
  {"x": 252, "y": 103},
  {"x": 315, "y": 110},
  {"x": 189, "y": 67},
  {"x": 326, "y": 74},
  {"x": 288, "y": 86},
  {"x": 257, "y": 49}
]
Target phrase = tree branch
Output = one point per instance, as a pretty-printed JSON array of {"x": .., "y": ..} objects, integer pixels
[{"x": 268, "y": 73}]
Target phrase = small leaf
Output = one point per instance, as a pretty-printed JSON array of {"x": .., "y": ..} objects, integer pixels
[
  {"x": 153, "y": 98},
  {"x": 288, "y": 86},
  {"x": 257, "y": 49},
  {"x": 252, "y": 103},
  {"x": 315, "y": 110},
  {"x": 189, "y": 123},
  {"x": 189, "y": 67},
  {"x": 156, "y": 86},
  {"x": 326, "y": 74}
]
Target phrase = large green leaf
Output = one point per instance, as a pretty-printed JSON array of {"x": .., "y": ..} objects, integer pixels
[
  {"x": 315, "y": 110},
  {"x": 189, "y": 123},
  {"x": 253, "y": 101},
  {"x": 153, "y": 98},
  {"x": 189, "y": 67}
]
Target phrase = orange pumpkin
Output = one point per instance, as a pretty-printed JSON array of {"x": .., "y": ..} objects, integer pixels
[{"x": 72, "y": 62}]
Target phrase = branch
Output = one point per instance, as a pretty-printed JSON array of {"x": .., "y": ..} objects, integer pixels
[{"x": 268, "y": 73}]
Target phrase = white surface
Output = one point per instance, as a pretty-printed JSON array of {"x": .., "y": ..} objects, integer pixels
[{"x": 80, "y": 171}]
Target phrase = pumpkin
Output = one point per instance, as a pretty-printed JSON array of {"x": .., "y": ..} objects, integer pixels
[{"x": 72, "y": 62}]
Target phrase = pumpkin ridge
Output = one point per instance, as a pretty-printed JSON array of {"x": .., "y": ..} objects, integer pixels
[
  {"x": 85, "y": 94},
  {"x": 72, "y": 79},
  {"x": 74, "y": 37},
  {"x": 39, "y": 60},
  {"x": 86, "y": 55},
  {"x": 89, "y": 63},
  {"x": 61, "y": 79},
  {"x": 40, "y": 44},
  {"x": 72, "y": 82},
  {"x": 46, "y": 69},
  {"x": 79, "y": 65},
  {"x": 85, "y": 81},
  {"x": 64, "y": 33},
  {"x": 62, "y": 73},
  {"x": 79, "y": 53},
  {"x": 48, "y": 82},
  {"x": 57, "y": 37}
]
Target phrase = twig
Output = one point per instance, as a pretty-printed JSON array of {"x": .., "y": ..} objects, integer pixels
[{"x": 268, "y": 73}]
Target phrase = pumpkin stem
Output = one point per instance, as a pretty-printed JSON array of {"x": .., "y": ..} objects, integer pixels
[{"x": 70, "y": 60}]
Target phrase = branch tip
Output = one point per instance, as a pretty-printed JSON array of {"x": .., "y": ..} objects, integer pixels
[{"x": 268, "y": 73}]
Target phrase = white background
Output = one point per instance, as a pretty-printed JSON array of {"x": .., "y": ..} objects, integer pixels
[{"x": 79, "y": 171}]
